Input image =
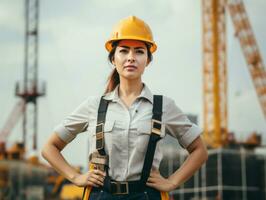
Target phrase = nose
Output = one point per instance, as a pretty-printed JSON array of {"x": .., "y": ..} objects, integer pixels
[{"x": 131, "y": 57}]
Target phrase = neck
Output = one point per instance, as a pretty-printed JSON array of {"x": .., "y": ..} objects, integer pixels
[{"x": 130, "y": 88}]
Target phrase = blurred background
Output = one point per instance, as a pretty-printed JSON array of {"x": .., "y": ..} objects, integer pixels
[{"x": 209, "y": 60}]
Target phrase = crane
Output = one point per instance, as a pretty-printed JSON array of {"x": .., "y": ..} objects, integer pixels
[
  {"x": 215, "y": 66},
  {"x": 12, "y": 120},
  {"x": 250, "y": 49},
  {"x": 28, "y": 92}
]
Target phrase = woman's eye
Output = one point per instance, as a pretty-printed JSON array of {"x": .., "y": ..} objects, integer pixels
[
  {"x": 140, "y": 51},
  {"x": 123, "y": 50}
]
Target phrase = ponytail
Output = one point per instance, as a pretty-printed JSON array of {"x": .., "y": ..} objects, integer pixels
[{"x": 113, "y": 81}]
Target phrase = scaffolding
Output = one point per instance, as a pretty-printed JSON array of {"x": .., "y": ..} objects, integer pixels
[{"x": 229, "y": 174}]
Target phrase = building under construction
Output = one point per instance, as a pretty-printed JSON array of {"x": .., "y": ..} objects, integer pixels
[{"x": 235, "y": 170}]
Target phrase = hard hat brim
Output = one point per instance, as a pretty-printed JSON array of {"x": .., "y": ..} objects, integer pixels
[{"x": 108, "y": 44}]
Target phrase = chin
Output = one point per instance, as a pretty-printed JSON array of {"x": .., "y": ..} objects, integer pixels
[{"x": 132, "y": 77}]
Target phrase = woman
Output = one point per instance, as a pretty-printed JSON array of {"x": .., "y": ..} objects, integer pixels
[{"x": 126, "y": 127}]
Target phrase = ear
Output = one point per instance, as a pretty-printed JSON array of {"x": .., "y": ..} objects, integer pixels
[
  {"x": 148, "y": 62},
  {"x": 113, "y": 61}
]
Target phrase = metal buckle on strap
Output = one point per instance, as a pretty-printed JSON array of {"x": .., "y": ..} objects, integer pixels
[
  {"x": 99, "y": 136},
  {"x": 119, "y": 187},
  {"x": 99, "y": 128},
  {"x": 154, "y": 124}
]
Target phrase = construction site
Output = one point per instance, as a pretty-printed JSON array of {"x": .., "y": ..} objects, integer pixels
[{"x": 236, "y": 167}]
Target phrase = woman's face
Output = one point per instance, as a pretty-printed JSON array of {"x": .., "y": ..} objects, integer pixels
[{"x": 130, "y": 59}]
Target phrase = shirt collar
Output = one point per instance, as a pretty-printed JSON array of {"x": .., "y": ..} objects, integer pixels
[{"x": 145, "y": 93}]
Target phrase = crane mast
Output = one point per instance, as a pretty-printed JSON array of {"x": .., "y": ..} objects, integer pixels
[
  {"x": 215, "y": 66},
  {"x": 214, "y": 72},
  {"x": 28, "y": 91}
]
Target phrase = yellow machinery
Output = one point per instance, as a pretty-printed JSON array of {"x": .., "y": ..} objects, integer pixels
[
  {"x": 70, "y": 191},
  {"x": 60, "y": 188},
  {"x": 18, "y": 174},
  {"x": 215, "y": 67}
]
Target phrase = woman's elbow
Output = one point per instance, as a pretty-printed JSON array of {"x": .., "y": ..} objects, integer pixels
[
  {"x": 206, "y": 156},
  {"x": 203, "y": 150},
  {"x": 53, "y": 145}
]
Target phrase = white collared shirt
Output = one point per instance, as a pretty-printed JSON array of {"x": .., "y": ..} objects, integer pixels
[{"x": 127, "y": 130}]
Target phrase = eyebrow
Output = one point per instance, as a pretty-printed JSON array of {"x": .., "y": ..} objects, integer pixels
[{"x": 127, "y": 47}]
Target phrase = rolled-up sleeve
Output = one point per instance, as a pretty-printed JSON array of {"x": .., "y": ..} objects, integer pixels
[
  {"x": 178, "y": 125},
  {"x": 74, "y": 123}
]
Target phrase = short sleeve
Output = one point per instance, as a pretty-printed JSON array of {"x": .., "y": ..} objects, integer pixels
[
  {"x": 178, "y": 125},
  {"x": 74, "y": 123}
]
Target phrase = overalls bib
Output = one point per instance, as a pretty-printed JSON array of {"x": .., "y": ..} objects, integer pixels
[{"x": 99, "y": 159}]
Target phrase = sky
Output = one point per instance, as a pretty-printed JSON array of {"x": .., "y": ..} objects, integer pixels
[{"x": 73, "y": 61}]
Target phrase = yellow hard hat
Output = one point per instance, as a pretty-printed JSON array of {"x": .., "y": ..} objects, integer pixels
[{"x": 131, "y": 28}]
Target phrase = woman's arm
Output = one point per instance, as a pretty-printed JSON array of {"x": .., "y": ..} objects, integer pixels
[
  {"x": 51, "y": 151},
  {"x": 197, "y": 156}
]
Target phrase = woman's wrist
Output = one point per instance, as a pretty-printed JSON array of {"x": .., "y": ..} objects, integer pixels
[
  {"x": 73, "y": 177},
  {"x": 174, "y": 181}
]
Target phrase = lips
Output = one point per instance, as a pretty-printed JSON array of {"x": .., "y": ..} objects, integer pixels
[{"x": 130, "y": 67}]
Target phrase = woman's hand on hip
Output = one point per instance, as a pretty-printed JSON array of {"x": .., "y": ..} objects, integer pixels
[
  {"x": 93, "y": 178},
  {"x": 160, "y": 183}
]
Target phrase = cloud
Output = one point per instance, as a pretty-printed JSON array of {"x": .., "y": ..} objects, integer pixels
[{"x": 73, "y": 61}]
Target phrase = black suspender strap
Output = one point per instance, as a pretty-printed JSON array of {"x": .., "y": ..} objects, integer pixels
[
  {"x": 154, "y": 137},
  {"x": 100, "y": 126},
  {"x": 125, "y": 187}
]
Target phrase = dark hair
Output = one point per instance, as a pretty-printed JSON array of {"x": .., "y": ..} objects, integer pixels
[{"x": 113, "y": 79}]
